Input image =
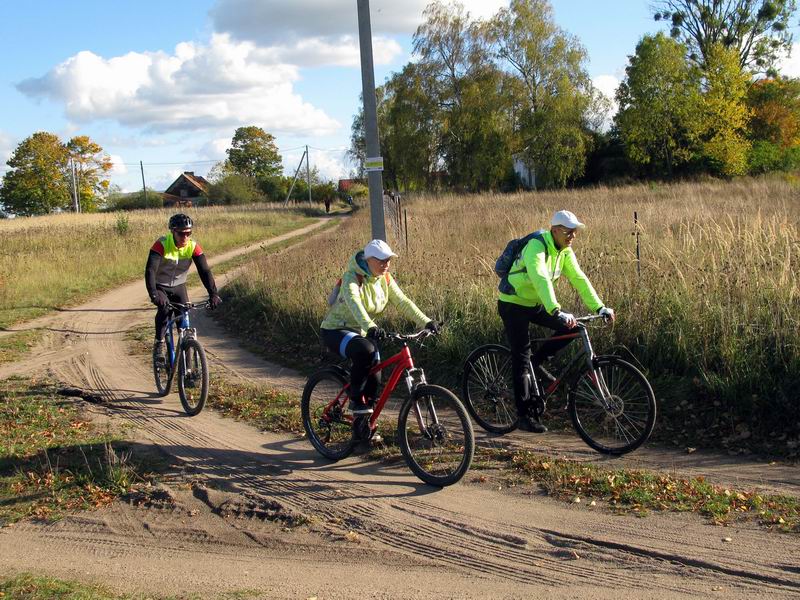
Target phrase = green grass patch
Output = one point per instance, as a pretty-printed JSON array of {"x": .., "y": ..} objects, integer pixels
[
  {"x": 54, "y": 460},
  {"x": 13, "y": 346},
  {"x": 266, "y": 408},
  {"x": 640, "y": 491},
  {"x": 49, "y": 262},
  {"x": 27, "y": 586},
  {"x": 31, "y": 587}
]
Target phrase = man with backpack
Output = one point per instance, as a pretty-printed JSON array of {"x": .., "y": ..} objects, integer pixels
[{"x": 528, "y": 268}]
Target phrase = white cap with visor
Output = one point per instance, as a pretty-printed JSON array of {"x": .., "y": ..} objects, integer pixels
[
  {"x": 566, "y": 219},
  {"x": 378, "y": 249}
]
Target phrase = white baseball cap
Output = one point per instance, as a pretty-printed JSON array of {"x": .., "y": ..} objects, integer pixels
[
  {"x": 378, "y": 249},
  {"x": 566, "y": 219}
]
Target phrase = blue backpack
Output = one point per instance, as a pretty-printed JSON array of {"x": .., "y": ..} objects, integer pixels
[{"x": 512, "y": 251}]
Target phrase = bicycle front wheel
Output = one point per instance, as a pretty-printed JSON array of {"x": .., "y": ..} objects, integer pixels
[
  {"x": 622, "y": 417},
  {"x": 326, "y": 417},
  {"x": 488, "y": 388},
  {"x": 192, "y": 377},
  {"x": 161, "y": 373},
  {"x": 435, "y": 435}
]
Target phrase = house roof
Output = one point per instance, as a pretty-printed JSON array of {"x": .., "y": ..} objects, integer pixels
[{"x": 196, "y": 181}]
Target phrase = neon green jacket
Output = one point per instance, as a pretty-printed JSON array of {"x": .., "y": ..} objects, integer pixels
[
  {"x": 543, "y": 265},
  {"x": 358, "y": 305}
]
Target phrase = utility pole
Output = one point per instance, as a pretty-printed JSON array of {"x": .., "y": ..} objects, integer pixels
[
  {"x": 308, "y": 176},
  {"x": 76, "y": 204},
  {"x": 144, "y": 187},
  {"x": 374, "y": 162},
  {"x": 294, "y": 179}
]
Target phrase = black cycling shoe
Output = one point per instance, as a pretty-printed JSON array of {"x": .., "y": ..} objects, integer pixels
[{"x": 532, "y": 424}]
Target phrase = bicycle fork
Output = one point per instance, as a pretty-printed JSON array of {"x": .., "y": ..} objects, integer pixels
[
  {"x": 414, "y": 378},
  {"x": 595, "y": 374}
]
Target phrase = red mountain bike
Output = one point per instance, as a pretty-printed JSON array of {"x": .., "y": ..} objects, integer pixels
[{"x": 434, "y": 431}]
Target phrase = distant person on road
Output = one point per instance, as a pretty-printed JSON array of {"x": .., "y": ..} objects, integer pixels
[
  {"x": 531, "y": 298},
  {"x": 349, "y": 329},
  {"x": 327, "y": 204},
  {"x": 166, "y": 271}
]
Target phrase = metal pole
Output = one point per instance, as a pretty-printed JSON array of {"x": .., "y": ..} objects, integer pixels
[
  {"x": 405, "y": 212},
  {"x": 144, "y": 187},
  {"x": 308, "y": 176},
  {"x": 374, "y": 178},
  {"x": 638, "y": 258}
]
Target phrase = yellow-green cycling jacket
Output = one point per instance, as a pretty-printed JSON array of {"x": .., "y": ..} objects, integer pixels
[
  {"x": 363, "y": 297},
  {"x": 543, "y": 265}
]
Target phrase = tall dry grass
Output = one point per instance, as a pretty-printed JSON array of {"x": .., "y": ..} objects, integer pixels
[
  {"x": 712, "y": 317},
  {"x": 46, "y": 262}
]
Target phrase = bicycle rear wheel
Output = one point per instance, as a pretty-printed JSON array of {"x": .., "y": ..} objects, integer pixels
[
  {"x": 329, "y": 424},
  {"x": 625, "y": 419},
  {"x": 192, "y": 377},
  {"x": 488, "y": 388},
  {"x": 435, "y": 435}
]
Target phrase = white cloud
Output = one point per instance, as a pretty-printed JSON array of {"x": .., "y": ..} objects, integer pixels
[
  {"x": 789, "y": 66},
  {"x": 342, "y": 51},
  {"x": 277, "y": 22},
  {"x": 118, "y": 165},
  {"x": 607, "y": 84},
  {"x": 7, "y": 146},
  {"x": 220, "y": 85}
]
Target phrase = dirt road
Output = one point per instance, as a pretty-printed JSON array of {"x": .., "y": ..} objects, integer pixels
[{"x": 375, "y": 531}]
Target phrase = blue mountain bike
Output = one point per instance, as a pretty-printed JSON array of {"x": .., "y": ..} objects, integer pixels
[{"x": 184, "y": 356}]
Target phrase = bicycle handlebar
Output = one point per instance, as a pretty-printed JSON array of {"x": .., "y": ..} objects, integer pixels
[
  {"x": 409, "y": 337},
  {"x": 190, "y": 305}
]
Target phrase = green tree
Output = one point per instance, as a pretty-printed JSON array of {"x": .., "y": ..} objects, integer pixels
[
  {"x": 721, "y": 122},
  {"x": 656, "y": 100},
  {"x": 758, "y": 30},
  {"x": 91, "y": 166},
  {"x": 234, "y": 188},
  {"x": 36, "y": 183},
  {"x": 557, "y": 91},
  {"x": 253, "y": 153}
]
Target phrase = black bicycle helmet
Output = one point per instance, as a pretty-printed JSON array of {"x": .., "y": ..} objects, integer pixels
[{"x": 180, "y": 221}]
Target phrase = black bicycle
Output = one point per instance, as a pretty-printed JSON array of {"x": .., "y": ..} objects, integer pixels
[
  {"x": 186, "y": 358},
  {"x": 610, "y": 402}
]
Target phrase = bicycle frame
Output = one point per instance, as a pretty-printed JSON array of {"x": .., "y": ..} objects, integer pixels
[
  {"x": 183, "y": 324},
  {"x": 586, "y": 352},
  {"x": 402, "y": 362}
]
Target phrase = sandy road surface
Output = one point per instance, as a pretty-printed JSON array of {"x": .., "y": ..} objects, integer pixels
[{"x": 376, "y": 531}]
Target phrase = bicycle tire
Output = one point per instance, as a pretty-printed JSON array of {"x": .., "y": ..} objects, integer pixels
[
  {"x": 442, "y": 454},
  {"x": 331, "y": 437},
  {"x": 488, "y": 389},
  {"x": 193, "y": 396},
  {"x": 163, "y": 377},
  {"x": 632, "y": 415}
]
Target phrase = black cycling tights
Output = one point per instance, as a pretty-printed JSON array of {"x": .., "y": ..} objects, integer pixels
[{"x": 362, "y": 352}]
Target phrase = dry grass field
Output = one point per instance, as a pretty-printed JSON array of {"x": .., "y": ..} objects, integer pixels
[
  {"x": 710, "y": 310},
  {"x": 47, "y": 262}
]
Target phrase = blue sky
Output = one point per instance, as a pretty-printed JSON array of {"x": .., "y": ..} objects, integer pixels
[{"x": 168, "y": 82}]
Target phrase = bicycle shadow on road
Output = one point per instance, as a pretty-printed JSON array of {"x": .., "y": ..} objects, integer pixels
[{"x": 359, "y": 471}]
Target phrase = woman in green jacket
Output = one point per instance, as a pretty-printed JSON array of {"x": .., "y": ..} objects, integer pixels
[
  {"x": 349, "y": 328},
  {"x": 540, "y": 263}
]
